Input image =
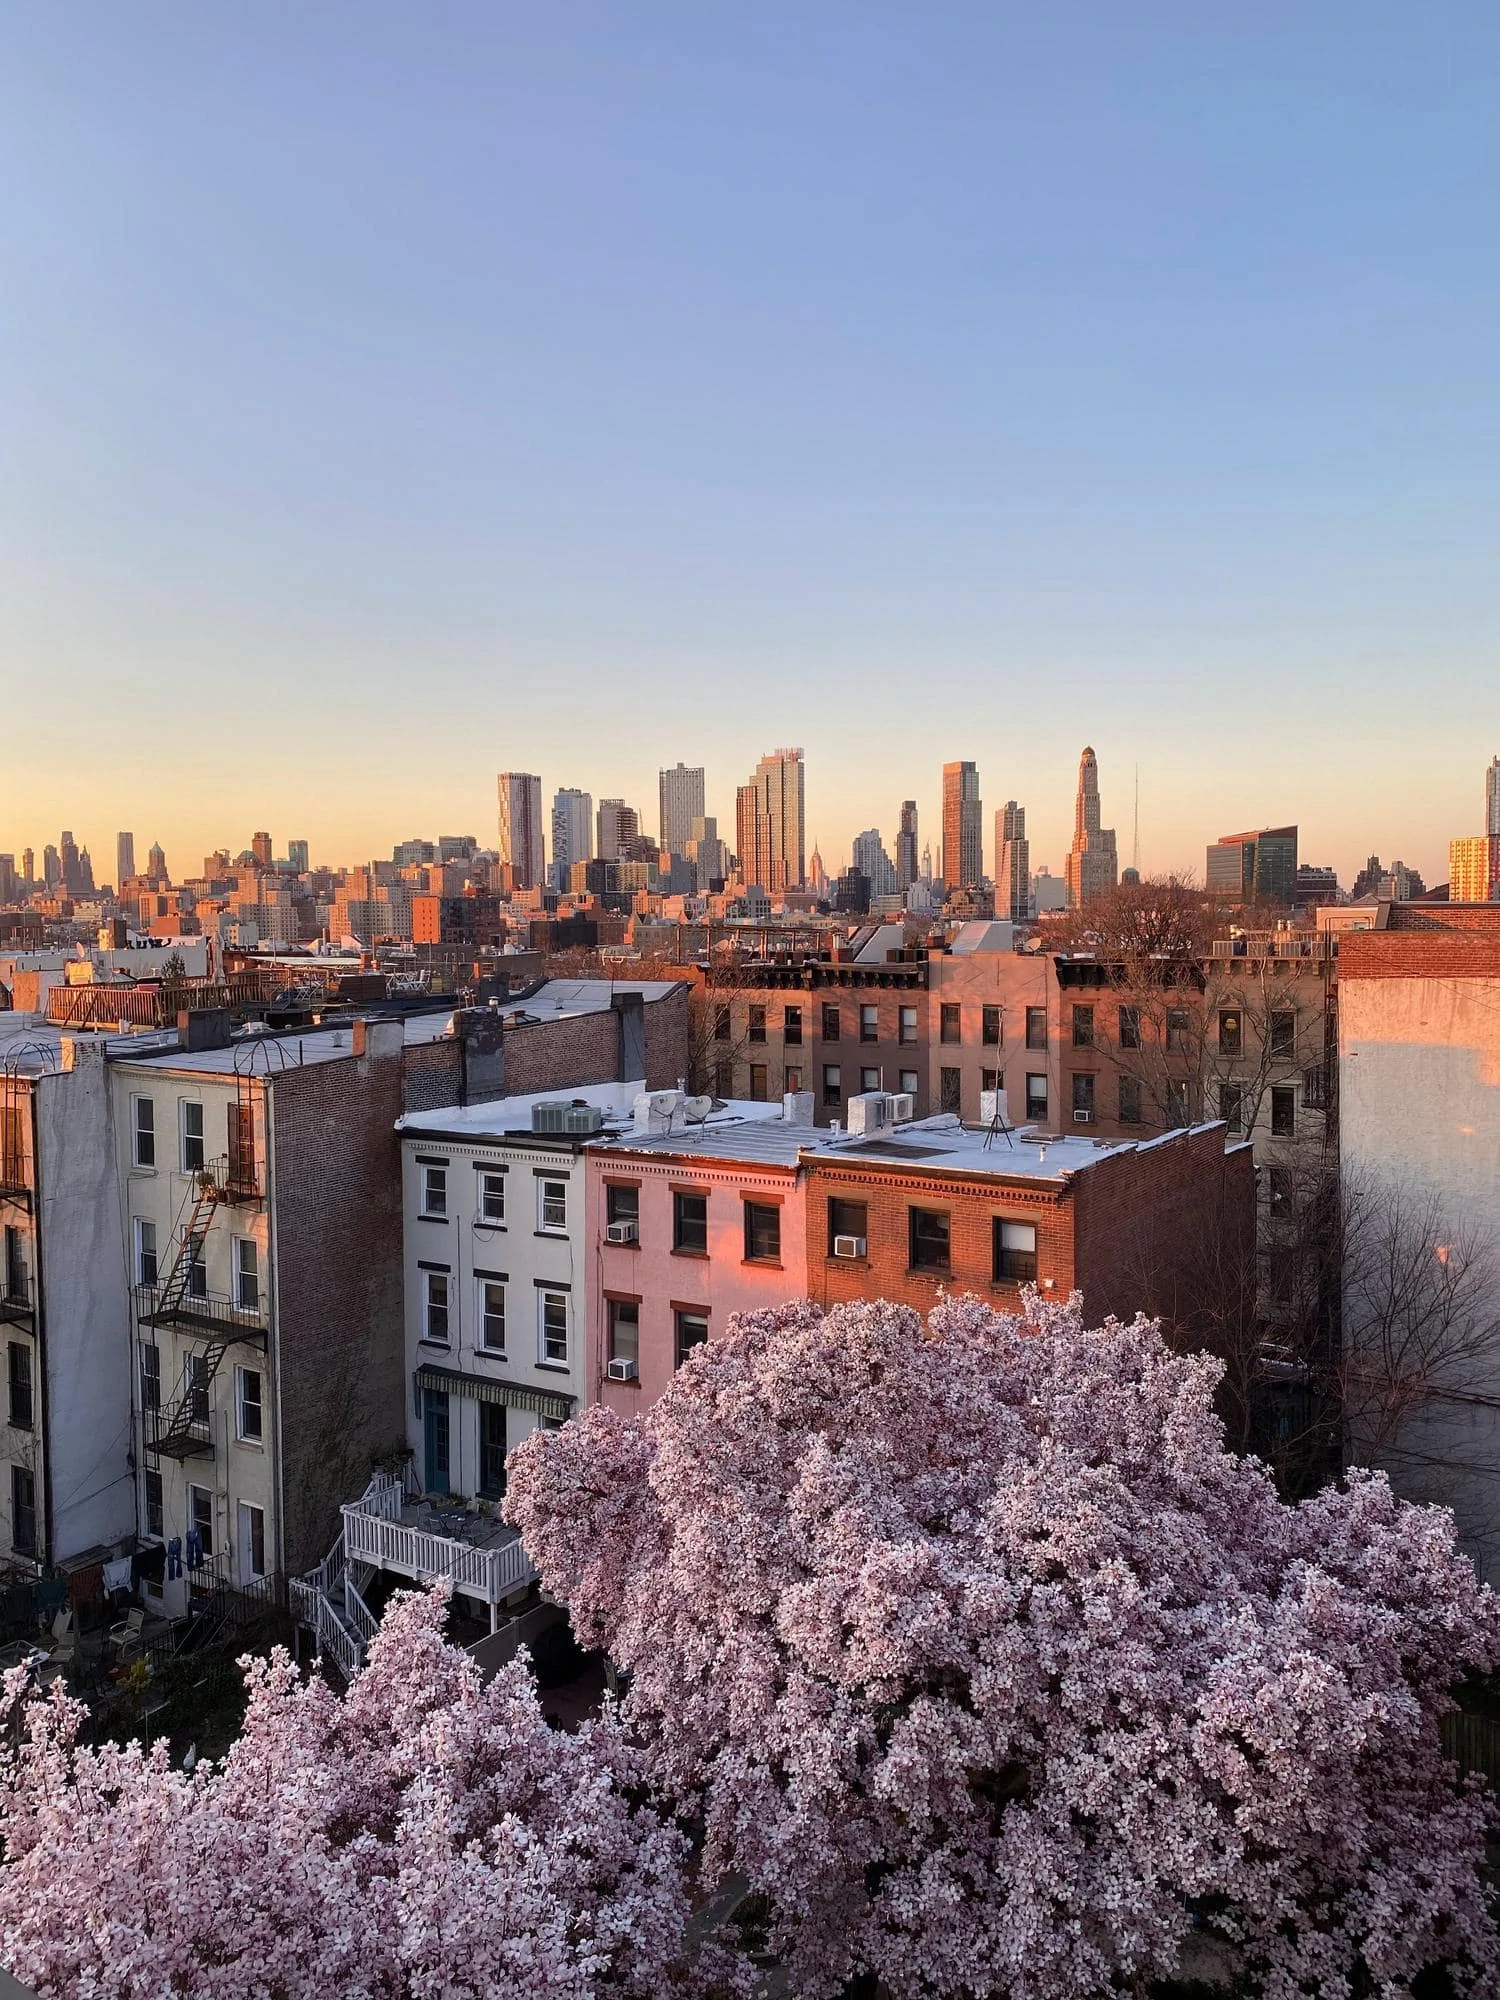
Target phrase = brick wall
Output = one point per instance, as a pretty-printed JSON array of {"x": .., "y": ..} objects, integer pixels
[
  {"x": 1424, "y": 954},
  {"x": 335, "y": 1178},
  {"x": 1435, "y": 917}
]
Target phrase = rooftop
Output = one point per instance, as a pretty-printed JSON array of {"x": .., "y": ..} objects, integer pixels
[
  {"x": 943, "y": 1145},
  {"x": 510, "y": 1117}
]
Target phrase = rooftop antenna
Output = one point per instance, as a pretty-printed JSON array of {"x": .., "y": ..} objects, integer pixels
[{"x": 1135, "y": 838}]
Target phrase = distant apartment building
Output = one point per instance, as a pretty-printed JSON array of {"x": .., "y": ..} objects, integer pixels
[
  {"x": 522, "y": 845},
  {"x": 1093, "y": 866},
  {"x": 872, "y": 861},
  {"x": 907, "y": 862},
  {"x": 963, "y": 826},
  {"x": 124, "y": 857},
  {"x": 708, "y": 855},
  {"x": 1012, "y": 864},
  {"x": 770, "y": 822},
  {"x": 572, "y": 832},
  {"x": 1474, "y": 869},
  {"x": 1492, "y": 799},
  {"x": 297, "y": 854},
  {"x": 1260, "y": 866},
  {"x": 680, "y": 801},
  {"x": 618, "y": 825}
]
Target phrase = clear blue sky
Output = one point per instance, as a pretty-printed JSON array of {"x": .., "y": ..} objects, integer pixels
[{"x": 392, "y": 395}]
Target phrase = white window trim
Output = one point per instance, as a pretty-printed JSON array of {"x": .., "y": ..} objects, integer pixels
[
  {"x": 426, "y": 1210},
  {"x": 141, "y": 1223},
  {"x": 242, "y": 1436},
  {"x": 140, "y": 1165},
  {"x": 544, "y": 1359},
  {"x": 244, "y": 1507},
  {"x": 184, "y": 1105},
  {"x": 427, "y": 1304},
  {"x": 544, "y": 1227},
  {"x": 244, "y": 1305},
  {"x": 481, "y": 1345},
  {"x": 483, "y": 1176}
]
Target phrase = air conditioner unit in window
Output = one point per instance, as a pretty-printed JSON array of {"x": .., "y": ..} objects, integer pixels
[
  {"x": 903, "y": 1107},
  {"x": 848, "y": 1246},
  {"x": 1083, "y": 1117},
  {"x": 622, "y": 1371},
  {"x": 622, "y": 1232}
]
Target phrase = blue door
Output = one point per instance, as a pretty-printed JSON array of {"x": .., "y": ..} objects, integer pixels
[{"x": 435, "y": 1438}]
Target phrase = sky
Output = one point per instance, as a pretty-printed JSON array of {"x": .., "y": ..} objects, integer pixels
[{"x": 392, "y": 396}]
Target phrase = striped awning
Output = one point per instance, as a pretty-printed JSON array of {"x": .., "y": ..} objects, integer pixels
[{"x": 485, "y": 1389}]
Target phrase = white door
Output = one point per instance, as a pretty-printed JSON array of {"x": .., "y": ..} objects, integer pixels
[{"x": 251, "y": 1539}]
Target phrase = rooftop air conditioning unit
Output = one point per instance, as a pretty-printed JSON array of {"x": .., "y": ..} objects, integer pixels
[
  {"x": 550, "y": 1117},
  {"x": 583, "y": 1118},
  {"x": 622, "y": 1371},
  {"x": 622, "y": 1232},
  {"x": 869, "y": 1112},
  {"x": 848, "y": 1246},
  {"x": 903, "y": 1107},
  {"x": 1083, "y": 1117}
]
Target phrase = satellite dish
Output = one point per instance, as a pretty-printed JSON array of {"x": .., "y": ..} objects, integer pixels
[{"x": 696, "y": 1109}]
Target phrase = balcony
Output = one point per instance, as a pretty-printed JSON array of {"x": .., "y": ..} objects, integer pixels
[
  {"x": 208, "y": 1318},
  {"x": 475, "y": 1552},
  {"x": 17, "y": 1307}
]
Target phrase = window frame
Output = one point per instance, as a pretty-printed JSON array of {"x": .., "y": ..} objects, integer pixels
[
  {"x": 1083, "y": 1024},
  {"x": 23, "y": 1479},
  {"x": 992, "y": 1027},
  {"x": 205, "y": 1526},
  {"x": 622, "y": 1329},
  {"x": 248, "y": 1508},
  {"x": 622, "y": 1203},
  {"x": 432, "y": 1306},
  {"x": 1281, "y": 1035},
  {"x": 907, "y": 1035},
  {"x": 951, "y": 1089},
  {"x": 20, "y": 1386},
  {"x": 1283, "y": 1111},
  {"x": 916, "y": 1216},
  {"x": 198, "y": 1140},
  {"x": 1036, "y": 1028},
  {"x": 1130, "y": 1101},
  {"x": 243, "y": 1403},
  {"x": 831, "y": 1021},
  {"x": 155, "y": 1504},
  {"x": 697, "y": 1315},
  {"x": 546, "y": 1192},
  {"x": 756, "y": 1031},
  {"x": 1084, "y": 1092},
  {"x": 791, "y": 1027},
  {"x": 910, "y": 1079},
  {"x": 1013, "y": 1266},
  {"x": 869, "y": 1021},
  {"x": 833, "y": 1086},
  {"x": 1232, "y": 1107},
  {"x": 140, "y": 1225},
  {"x": 1178, "y": 1027},
  {"x": 486, "y": 1282},
  {"x": 143, "y": 1132},
  {"x": 752, "y": 1209},
  {"x": 1231, "y": 1031},
  {"x": 547, "y": 1297},
  {"x": 838, "y": 1222},
  {"x": 246, "y": 1295},
  {"x": 1128, "y": 1026},
  {"x": 148, "y": 1376},
  {"x": 684, "y": 1226},
  {"x": 484, "y": 1192},
  {"x": 434, "y": 1203},
  {"x": 950, "y": 1024},
  {"x": 1038, "y": 1102}
]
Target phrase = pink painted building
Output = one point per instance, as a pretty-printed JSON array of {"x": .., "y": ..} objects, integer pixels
[{"x": 681, "y": 1229}]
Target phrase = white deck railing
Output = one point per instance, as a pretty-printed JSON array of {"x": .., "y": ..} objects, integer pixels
[{"x": 375, "y": 1533}]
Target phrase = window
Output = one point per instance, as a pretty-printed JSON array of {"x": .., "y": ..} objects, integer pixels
[
  {"x": 491, "y": 1314},
  {"x": 1036, "y": 1097},
  {"x": 1130, "y": 1027},
  {"x": 195, "y": 1377},
  {"x": 989, "y": 1079},
  {"x": 991, "y": 1028},
  {"x": 950, "y": 1089},
  {"x": 249, "y": 1426},
  {"x": 12, "y": 1148},
  {"x": 14, "y": 1274},
  {"x": 201, "y": 1518},
  {"x": 622, "y": 1204},
  {"x": 434, "y": 1191},
  {"x": 869, "y": 1079},
  {"x": 833, "y": 1084},
  {"x": 22, "y": 1511},
  {"x": 241, "y": 1123},
  {"x": 1130, "y": 1100},
  {"x": 19, "y": 1375},
  {"x": 554, "y": 1328},
  {"x": 723, "y": 1079},
  {"x": 1279, "y": 1192},
  {"x": 1232, "y": 1105},
  {"x": 909, "y": 1082},
  {"x": 1015, "y": 1252},
  {"x": 150, "y": 1375},
  {"x": 1283, "y": 1276},
  {"x": 1083, "y": 1095},
  {"x": 552, "y": 1206},
  {"x": 1231, "y": 1031},
  {"x": 625, "y": 1330},
  {"x": 193, "y": 1154},
  {"x": 197, "y": 1270},
  {"x": 1178, "y": 1109},
  {"x": 1284, "y": 1033},
  {"x": 1083, "y": 1027},
  {"x": 791, "y": 1027},
  {"x": 1036, "y": 1027},
  {"x": 155, "y": 1514},
  {"x": 435, "y": 1319},
  {"x": 145, "y": 1131},
  {"x": 252, "y": 1538},
  {"x": 759, "y": 1083},
  {"x": 757, "y": 1024},
  {"x": 721, "y": 1024},
  {"x": 1283, "y": 1111},
  {"x": 830, "y": 1024},
  {"x": 690, "y": 1223},
  {"x": 145, "y": 1251},
  {"x": 869, "y": 1024},
  {"x": 492, "y": 1450},
  {"x": 491, "y": 1196},
  {"x": 929, "y": 1239},
  {"x": 793, "y": 1076},
  {"x": 908, "y": 1026},
  {"x": 692, "y": 1331},
  {"x": 762, "y": 1232},
  {"x": 246, "y": 1274},
  {"x": 847, "y": 1218},
  {"x": 1177, "y": 1028},
  {"x": 950, "y": 1023}
]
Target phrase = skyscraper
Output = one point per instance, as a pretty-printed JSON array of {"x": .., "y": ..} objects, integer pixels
[
  {"x": 963, "y": 827},
  {"x": 1474, "y": 870},
  {"x": 51, "y": 867},
  {"x": 28, "y": 865},
  {"x": 1260, "y": 864},
  {"x": 906, "y": 846},
  {"x": 124, "y": 857},
  {"x": 297, "y": 855},
  {"x": 1012, "y": 864},
  {"x": 1492, "y": 799},
  {"x": 572, "y": 832},
  {"x": 522, "y": 844},
  {"x": 156, "y": 866},
  {"x": 680, "y": 793},
  {"x": 769, "y": 821},
  {"x": 618, "y": 824},
  {"x": 1093, "y": 865},
  {"x": 260, "y": 847},
  {"x": 872, "y": 861},
  {"x": 72, "y": 877}
]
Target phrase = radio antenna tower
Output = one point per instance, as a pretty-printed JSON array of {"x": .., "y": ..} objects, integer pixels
[{"x": 1135, "y": 838}]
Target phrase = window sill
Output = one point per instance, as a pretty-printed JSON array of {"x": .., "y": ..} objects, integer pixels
[
  {"x": 556, "y": 1367},
  {"x": 848, "y": 1263},
  {"x": 439, "y": 1346},
  {"x": 251, "y": 1444},
  {"x": 137, "y": 1168},
  {"x": 762, "y": 1263},
  {"x": 929, "y": 1270},
  {"x": 701, "y": 1256},
  {"x": 489, "y": 1353},
  {"x": 424, "y": 1217},
  {"x": 637, "y": 1245},
  {"x": 552, "y": 1235},
  {"x": 489, "y": 1227}
]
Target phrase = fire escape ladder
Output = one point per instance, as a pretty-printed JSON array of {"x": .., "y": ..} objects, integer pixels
[{"x": 174, "y": 1287}]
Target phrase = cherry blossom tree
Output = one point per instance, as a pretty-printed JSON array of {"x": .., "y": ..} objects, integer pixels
[
  {"x": 422, "y": 1835},
  {"x": 973, "y": 1651}
]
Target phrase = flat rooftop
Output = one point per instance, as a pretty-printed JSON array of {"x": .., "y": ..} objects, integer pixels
[{"x": 510, "y": 1118}]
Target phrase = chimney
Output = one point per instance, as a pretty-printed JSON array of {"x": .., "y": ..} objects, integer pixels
[{"x": 631, "y": 1010}]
